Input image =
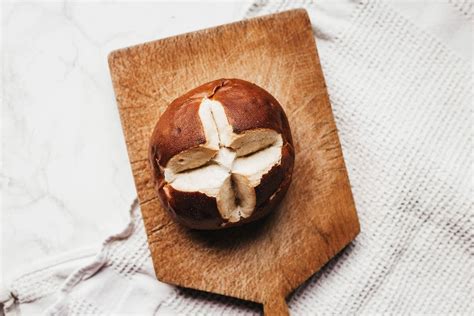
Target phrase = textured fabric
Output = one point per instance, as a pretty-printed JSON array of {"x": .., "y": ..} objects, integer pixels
[
  {"x": 465, "y": 6},
  {"x": 402, "y": 101},
  {"x": 33, "y": 290}
]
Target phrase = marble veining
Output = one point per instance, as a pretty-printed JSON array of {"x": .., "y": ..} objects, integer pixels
[{"x": 66, "y": 180}]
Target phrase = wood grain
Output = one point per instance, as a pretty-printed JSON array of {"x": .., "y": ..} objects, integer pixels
[{"x": 264, "y": 261}]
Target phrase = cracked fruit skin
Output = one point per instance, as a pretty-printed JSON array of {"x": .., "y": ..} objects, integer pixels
[{"x": 222, "y": 155}]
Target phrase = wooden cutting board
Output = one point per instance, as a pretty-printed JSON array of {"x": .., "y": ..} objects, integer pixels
[{"x": 265, "y": 261}]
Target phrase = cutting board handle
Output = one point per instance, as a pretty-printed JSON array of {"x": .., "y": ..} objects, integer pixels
[{"x": 276, "y": 306}]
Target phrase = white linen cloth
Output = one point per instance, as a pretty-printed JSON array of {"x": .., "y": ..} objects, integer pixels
[{"x": 399, "y": 77}]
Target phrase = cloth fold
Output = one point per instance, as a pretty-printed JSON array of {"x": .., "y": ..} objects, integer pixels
[{"x": 400, "y": 84}]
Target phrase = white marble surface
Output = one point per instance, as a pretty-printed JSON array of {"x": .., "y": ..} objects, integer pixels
[
  {"x": 66, "y": 183},
  {"x": 65, "y": 178}
]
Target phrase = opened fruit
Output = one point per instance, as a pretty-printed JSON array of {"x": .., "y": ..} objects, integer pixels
[{"x": 222, "y": 155}]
